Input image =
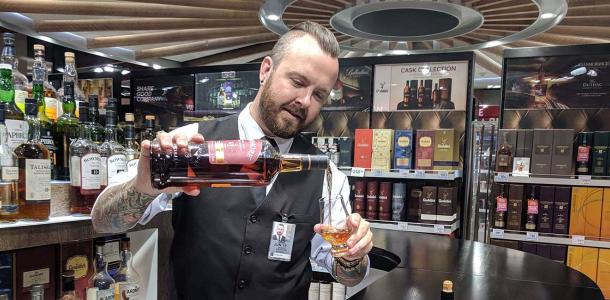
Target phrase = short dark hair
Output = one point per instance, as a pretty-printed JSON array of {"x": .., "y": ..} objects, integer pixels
[{"x": 325, "y": 38}]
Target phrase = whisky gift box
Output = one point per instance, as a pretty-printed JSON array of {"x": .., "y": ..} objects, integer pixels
[
  {"x": 383, "y": 140},
  {"x": 6, "y": 274},
  {"x": 542, "y": 151},
  {"x": 500, "y": 207},
  {"x": 372, "y": 202},
  {"x": 403, "y": 149},
  {"x": 561, "y": 159},
  {"x": 385, "y": 201},
  {"x": 35, "y": 266},
  {"x": 599, "y": 153},
  {"x": 360, "y": 197},
  {"x": 546, "y": 207},
  {"x": 428, "y": 204},
  {"x": 515, "y": 206},
  {"x": 577, "y": 212},
  {"x": 586, "y": 211},
  {"x": 512, "y": 136},
  {"x": 424, "y": 149},
  {"x": 603, "y": 272},
  {"x": 446, "y": 205},
  {"x": 399, "y": 194},
  {"x": 605, "y": 225},
  {"x": 363, "y": 148},
  {"x": 524, "y": 143},
  {"x": 415, "y": 195},
  {"x": 583, "y": 259},
  {"x": 446, "y": 152},
  {"x": 346, "y": 148},
  {"x": 78, "y": 257},
  {"x": 562, "y": 209}
]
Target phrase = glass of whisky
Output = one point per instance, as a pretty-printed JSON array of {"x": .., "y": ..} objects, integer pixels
[{"x": 335, "y": 226}]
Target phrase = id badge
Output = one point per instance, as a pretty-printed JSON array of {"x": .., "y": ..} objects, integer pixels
[{"x": 280, "y": 244}]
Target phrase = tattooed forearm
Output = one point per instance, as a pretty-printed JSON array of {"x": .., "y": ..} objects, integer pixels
[
  {"x": 351, "y": 277},
  {"x": 120, "y": 208}
]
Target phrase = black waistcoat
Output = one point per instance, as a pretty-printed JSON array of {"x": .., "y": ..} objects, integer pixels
[{"x": 221, "y": 237}]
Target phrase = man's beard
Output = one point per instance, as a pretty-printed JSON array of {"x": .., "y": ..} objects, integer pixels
[{"x": 270, "y": 113}]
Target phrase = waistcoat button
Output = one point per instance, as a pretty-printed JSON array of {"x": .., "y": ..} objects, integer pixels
[
  {"x": 241, "y": 284},
  {"x": 248, "y": 250},
  {"x": 253, "y": 218}
]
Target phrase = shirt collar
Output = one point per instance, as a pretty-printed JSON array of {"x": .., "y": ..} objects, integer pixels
[{"x": 250, "y": 130}]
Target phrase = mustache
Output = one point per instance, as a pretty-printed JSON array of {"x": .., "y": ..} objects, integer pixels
[{"x": 296, "y": 110}]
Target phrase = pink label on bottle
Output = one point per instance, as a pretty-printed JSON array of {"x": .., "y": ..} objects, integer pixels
[
  {"x": 583, "y": 154},
  {"x": 238, "y": 152},
  {"x": 532, "y": 206},
  {"x": 501, "y": 204}
]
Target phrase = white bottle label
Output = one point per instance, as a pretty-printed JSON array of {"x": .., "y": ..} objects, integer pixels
[
  {"x": 105, "y": 294},
  {"x": 10, "y": 173},
  {"x": 20, "y": 99},
  {"x": 75, "y": 171},
  {"x": 132, "y": 166},
  {"x": 90, "y": 165},
  {"x": 35, "y": 277},
  {"x": 37, "y": 179},
  {"x": 17, "y": 132},
  {"x": 129, "y": 290},
  {"x": 116, "y": 164}
]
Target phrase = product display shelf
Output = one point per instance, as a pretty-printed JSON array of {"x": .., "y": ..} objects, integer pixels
[
  {"x": 52, "y": 220},
  {"x": 441, "y": 229},
  {"x": 402, "y": 173},
  {"x": 568, "y": 180},
  {"x": 549, "y": 238}
]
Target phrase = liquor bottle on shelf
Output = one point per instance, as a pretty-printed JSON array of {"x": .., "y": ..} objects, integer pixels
[
  {"x": 41, "y": 90},
  {"x": 67, "y": 281},
  {"x": 16, "y": 127},
  {"x": 149, "y": 131},
  {"x": 34, "y": 163},
  {"x": 65, "y": 132},
  {"x": 127, "y": 278},
  {"x": 20, "y": 81},
  {"x": 9, "y": 205},
  {"x": 421, "y": 90},
  {"x": 532, "y": 209},
  {"x": 447, "y": 291},
  {"x": 112, "y": 105},
  {"x": 114, "y": 160},
  {"x": 501, "y": 207},
  {"x": 97, "y": 130},
  {"x": 227, "y": 163},
  {"x": 37, "y": 292},
  {"x": 71, "y": 79},
  {"x": 583, "y": 153},
  {"x": 132, "y": 149},
  {"x": 101, "y": 284},
  {"x": 436, "y": 97},
  {"x": 504, "y": 159},
  {"x": 85, "y": 165}
]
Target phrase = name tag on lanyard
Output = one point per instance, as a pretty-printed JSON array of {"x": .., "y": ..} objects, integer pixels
[{"x": 280, "y": 242}]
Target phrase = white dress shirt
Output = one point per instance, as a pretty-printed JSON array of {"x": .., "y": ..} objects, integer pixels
[{"x": 250, "y": 130}]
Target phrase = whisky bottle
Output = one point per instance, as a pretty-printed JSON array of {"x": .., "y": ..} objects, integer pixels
[
  {"x": 132, "y": 149},
  {"x": 85, "y": 164},
  {"x": 65, "y": 131},
  {"x": 112, "y": 105},
  {"x": 149, "y": 131},
  {"x": 20, "y": 81},
  {"x": 421, "y": 90},
  {"x": 501, "y": 207},
  {"x": 504, "y": 159},
  {"x": 447, "y": 292},
  {"x": 34, "y": 184},
  {"x": 16, "y": 127},
  {"x": 70, "y": 79},
  {"x": 40, "y": 92},
  {"x": 583, "y": 153},
  {"x": 49, "y": 94},
  {"x": 406, "y": 95},
  {"x": 127, "y": 278},
  {"x": 226, "y": 164},
  {"x": 67, "y": 281},
  {"x": 9, "y": 205},
  {"x": 97, "y": 130},
  {"x": 101, "y": 284},
  {"x": 114, "y": 160},
  {"x": 436, "y": 97},
  {"x": 532, "y": 210},
  {"x": 36, "y": 292}
]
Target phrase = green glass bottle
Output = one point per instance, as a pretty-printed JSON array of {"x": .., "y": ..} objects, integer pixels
[
  {"x": 16, "y": 127},
  {"x": 66, "y": 129},
  {"x": 39, "y": 75},
  {"x": 98, "y": 131}
]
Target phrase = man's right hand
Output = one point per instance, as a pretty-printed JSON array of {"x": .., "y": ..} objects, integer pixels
[{"x": 143, "y": 182}]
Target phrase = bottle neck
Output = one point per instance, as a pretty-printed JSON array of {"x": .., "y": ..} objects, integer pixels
[
  {"x": 34, "y": 128},
  {"x": 93, "y": 115},
  {"x": 85, "y": 131},
  {"x": 9, "y": 56},
  {"x": 111, "y": 134},
  {"x": 301, "y": 162}
]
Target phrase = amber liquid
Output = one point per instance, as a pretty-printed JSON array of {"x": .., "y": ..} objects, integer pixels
[
  {"x": 337, "y": 239},
  {"x": 82, "y": 201},
  {"x": 31, "y": 210}
]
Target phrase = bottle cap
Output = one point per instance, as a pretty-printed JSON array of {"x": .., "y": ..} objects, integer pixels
[
  {"x": 316, "y": 162},
  {"x": 149, "y": 117},
  {"x": 83, "y": 109},
  {"x": 447, "y": 286},
  {"x": 69, "y": 54},
  {"x": 31, "y": 109},
  {"x": 67, "y": 278},
  {"x": 111, "y": 104},
  {"x": 129, "y": 117},
  {"x": 38, "y": 47},
  {"x": 9, "y": 38}
]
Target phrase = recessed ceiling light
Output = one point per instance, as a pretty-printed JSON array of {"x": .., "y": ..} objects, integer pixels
[
  {"x": 108, "y": 68},
  {"x": 125, "y": 72},
  {"x": 98, "y": 70},
  {"x": 493, "y": 43},
  {"x": 156, "y": 66},
  {"x": 547, "y": 15},
  {"x": 273, "y": 17}
]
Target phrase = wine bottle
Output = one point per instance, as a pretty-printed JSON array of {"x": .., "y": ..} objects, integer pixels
[
  {"x": 583, "y": 154},
  {"x": 226, "y": 164}
]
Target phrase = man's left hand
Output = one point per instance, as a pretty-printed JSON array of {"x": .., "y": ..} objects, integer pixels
[{"x": 360, "y": 242}]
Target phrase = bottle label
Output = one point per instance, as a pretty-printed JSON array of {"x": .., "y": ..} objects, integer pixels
[
  {"x": 241, "y": 152},
  {"x": 132, "y": 166},
  {"x": 10, "y": 173},
  {"x": 104, "y": 171},
  {"x": 503, "y": 160},
  {"x": 501, "y": 204},
  {"x": 105, "y": 294},
  {"x": 37, "y": 179},
  {"x": 20, "y": 99},
  {"x": 79, "y": 264},
  {"x": 532, "y": 206},
  {"x": 17, "y": 132},
  {"x": 75, "y": 171},
  {"x": 129, "y": 290},
  {"x": 35, "y": 277},
  {"x": 583, "y": 154},
  {"x": 51, "y": 105},
  {"x": 90, "y": 165},
  {"x": 116, "y": 164}
]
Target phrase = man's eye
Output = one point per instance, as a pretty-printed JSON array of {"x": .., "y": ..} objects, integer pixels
[{"x": 297, "y": 83}]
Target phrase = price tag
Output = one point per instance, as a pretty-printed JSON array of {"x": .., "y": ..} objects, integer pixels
[
  {"x": 457, "y": 173},
  {"x": 357, "y": 172},
  {"x": 403, "y": 171},
  {"x": 420, "y": 174},
  {"x": 439, "y": 229},
  {"x": 443, "y": 174},
  {"x": 584, "y": 179},
  {"x": 376, "y": 173},
  {"x": 404, "y": 226},
  {"x": 502, "y": 177},
  {"x": 531, "y": 236},
  {"x": 497, "y": 233},
  {"x": 578, "y": 239}
]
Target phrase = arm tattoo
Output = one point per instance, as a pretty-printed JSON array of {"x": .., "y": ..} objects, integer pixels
[
  {"x": 350, "y": 277},
  {"x": 120, "y": 209}
]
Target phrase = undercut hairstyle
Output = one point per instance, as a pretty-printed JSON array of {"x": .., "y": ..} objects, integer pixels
[{"x": 325, "y": 38}]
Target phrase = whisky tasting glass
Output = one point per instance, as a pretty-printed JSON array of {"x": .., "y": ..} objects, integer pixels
[{"x": 334, "y": 217}]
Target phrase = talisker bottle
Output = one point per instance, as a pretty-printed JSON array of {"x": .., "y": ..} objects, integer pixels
[{"x": 226, "y": 164}]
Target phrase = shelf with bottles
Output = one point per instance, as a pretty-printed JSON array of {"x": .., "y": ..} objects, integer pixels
[
  {"x": 403, "y": 173},
  {"x": 442, "y": 229},
  {"x": 51, "y": 220},
  {"x": 549, "y": 238},
  {"x": 568, "y": 180}
]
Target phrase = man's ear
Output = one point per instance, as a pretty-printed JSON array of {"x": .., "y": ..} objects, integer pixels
[{"x": 266, "y": 69}]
